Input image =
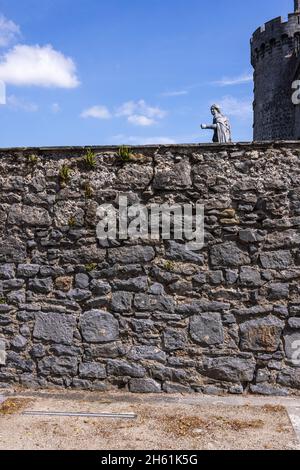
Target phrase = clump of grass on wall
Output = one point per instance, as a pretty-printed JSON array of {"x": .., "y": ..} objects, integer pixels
[
  {"x": 90, "y": 160},
  {"x": 88, "y": 190},
  {"x": 72, "y": 222},
  {"x": 65, "y": 174},
  {"x": 169, "y": 266},
  {"x": 32, "y": 159},
  {"x": 125, "y": 154},
  {"x": 90, "y": 267}
]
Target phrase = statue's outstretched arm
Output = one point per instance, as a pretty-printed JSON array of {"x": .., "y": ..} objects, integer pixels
[{"x": 209, "y": 126}]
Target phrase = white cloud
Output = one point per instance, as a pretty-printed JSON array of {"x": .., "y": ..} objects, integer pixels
[
  {"x": 9, "y": 31},
  {"x": 245, "y": 78},
  {"x": 96, "y": 112},
  {"x": 140, "y": 120},
  {"x": 175, "y": 93},
  {"x": 241, "y": 108},
  {"x": 21, "y": 104},
  {"x": 140, "y": 107},
  {"x": 38, "y": 66},
  {"x": 140, "y": 113}
]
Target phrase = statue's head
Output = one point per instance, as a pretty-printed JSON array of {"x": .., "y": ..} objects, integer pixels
[{"x": 215, "y": 109}]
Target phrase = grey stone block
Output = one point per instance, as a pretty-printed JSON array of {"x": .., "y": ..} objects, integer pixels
[
  {"x": 41, "y": 286},
  {"x": 131, "y": 254},
  {"x": 277, "y": 260},
  {"x": 175, "y": 340},
  {"x": 144, "y": 386},
  {"x": 179, "y": 252},
  {"x": 228, "y": 255},
  {"x": 55, "y": 327},
  {"x": 206, "y": 329},
  {"x": 121, "y": 302},
  {"x": 92, "y": 370},
  {"x": 99, "y": 327},
  {"x": 230, "y": 369},
  {"x": 65, "y": 366},
  {"x": 12, "y": 250},
  {"x": 19, "y": 343},
  {"x": 138, "y": 284},
  {"x": 27, "y": 215},
  {"x": 82, "y": 281},
  {"x": 144, "y": 302},
  {"x": 28, "y": 270},
  {"x": 7, "y": 271},
  {"x": 151, "y": 353},
  {"x": 123, "y": 368}
]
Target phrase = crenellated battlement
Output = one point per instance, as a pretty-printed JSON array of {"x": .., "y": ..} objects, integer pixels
[
  {"x": 275, "y": 56},
  {"x": 276, "y": 36},
  {"x": 277, "y": 26}
]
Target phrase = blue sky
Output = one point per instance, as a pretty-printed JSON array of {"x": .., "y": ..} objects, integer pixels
[{"x": 92, "y": 72}]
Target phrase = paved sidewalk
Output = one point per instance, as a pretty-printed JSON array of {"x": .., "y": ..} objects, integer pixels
[{"x": 174, "y": 422}]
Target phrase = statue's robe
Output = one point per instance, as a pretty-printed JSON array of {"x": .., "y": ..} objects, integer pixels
[{"x": 222, "y": 132}]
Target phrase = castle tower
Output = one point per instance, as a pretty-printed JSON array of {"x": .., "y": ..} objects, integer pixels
[{"x": 275, "y": 49}]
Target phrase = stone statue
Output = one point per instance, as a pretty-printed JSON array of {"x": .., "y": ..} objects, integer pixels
[{"x": 221, "y": 126}]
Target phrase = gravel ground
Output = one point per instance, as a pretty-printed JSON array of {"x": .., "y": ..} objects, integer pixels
[{"x": 161, "y": 424}]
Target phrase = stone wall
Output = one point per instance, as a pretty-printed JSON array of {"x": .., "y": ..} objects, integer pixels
[{"x": 151, "y": 317}]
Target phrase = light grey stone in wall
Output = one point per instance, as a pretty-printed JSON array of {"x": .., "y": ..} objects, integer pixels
[
  {"x": 99, "y": 327},
  {"x": 54, "y": 327},
  {"x": 206, "y": 329}
]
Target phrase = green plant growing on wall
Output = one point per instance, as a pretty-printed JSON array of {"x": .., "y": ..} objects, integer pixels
[
  {"x": 90, "y": 160},
  {"x": 169, "y": 266},
  {"x": 2, "y": 301},
  {"x": 32, "y": 159},
  {"x": 125, "y": 154},
  {"x": 90, "y": 267},
  {"x": 72, "y": 222},
  {"x": 65, "y": 174},
  {"x": 88, "y": 190}
]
